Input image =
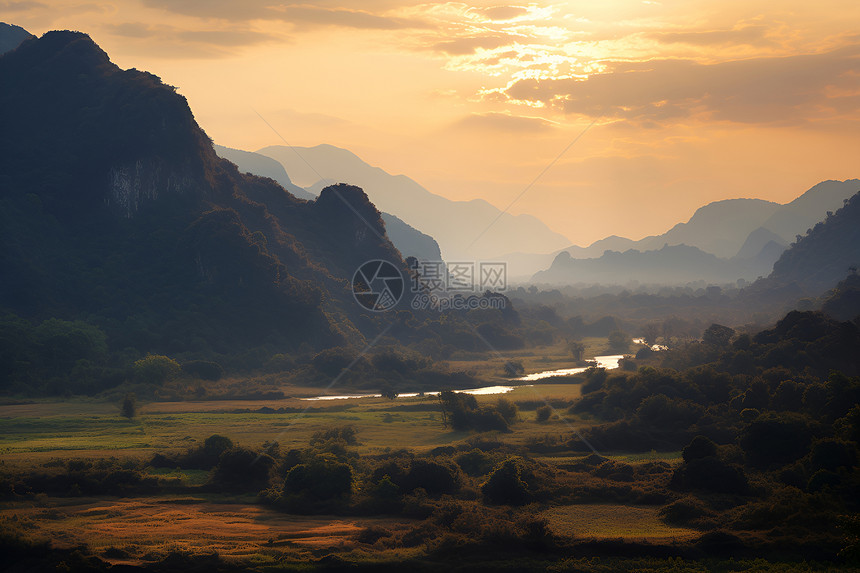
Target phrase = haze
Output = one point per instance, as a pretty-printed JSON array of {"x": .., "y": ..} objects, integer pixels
[{"x": 691, "y": 101}]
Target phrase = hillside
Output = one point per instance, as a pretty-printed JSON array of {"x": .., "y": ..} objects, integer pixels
[
  {"x": 824, "y": 256},
  {"x": 455, "y": 225},
  {"x": 114, "y": 208},
  {"x": 408, "y": 240},
  {"x": 262, "y": 166}
]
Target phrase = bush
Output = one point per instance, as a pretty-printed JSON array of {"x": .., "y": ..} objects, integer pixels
[
  {"x": 543, "y": 413},
  {"x": 241, "y": 469},
  {"x": 129, "y": 406},
  {"x": 432, "y": 476},
  {"x": 700, "y": 447},
  {"x": 474, "y": 462},
  {"x": 155, "y": 369},
  {"x": 776, "y": 440},
  {"x": 710, "y": 474},
  {"x": 320, "y": 479},
  {"x": 514, "y": 369},
  {"x": 506, "y": 485}
]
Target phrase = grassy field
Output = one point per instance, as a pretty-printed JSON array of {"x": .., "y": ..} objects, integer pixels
[
  {"x": 611, "y": 521},
  {"x": 48, "y": 429}
]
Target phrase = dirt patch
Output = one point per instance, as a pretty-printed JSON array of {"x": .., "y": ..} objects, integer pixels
[{"x": 142, "y": 529}]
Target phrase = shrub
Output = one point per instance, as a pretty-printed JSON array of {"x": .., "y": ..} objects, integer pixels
[
  {"x": 474, "y": 462},
  {"x": 129, "y": 406},
  {"x": 543, "y": 413},
  {"x": 320, "y": 479},
  {"x": 776, "y": 440},
  {"x": 242, "y": 469},
  {"x": 514, "y": 368},
  {"x": 155, "y": 369},
  {"x": 506, "y": 485},
  {"x": 710, "y": 474},
  {"x": 432, "y": 476},
  {"x": 700, "y": 447},
  {"x": 831, "y": 455}
]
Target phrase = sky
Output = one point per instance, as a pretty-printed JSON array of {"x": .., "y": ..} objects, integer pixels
[{"x": 598, "y": 117}]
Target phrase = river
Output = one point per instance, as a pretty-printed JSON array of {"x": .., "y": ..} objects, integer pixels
[{"x": 607, "y": 362}]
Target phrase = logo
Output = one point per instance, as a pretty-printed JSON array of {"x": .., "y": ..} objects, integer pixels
[{"x": 377, "y": 285}]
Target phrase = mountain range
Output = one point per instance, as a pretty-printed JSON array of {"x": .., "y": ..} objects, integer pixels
[
  {"x": 409, "y": 241},
  {"x": 465, "y": 230},
  {"x": 747, "y": 236}
]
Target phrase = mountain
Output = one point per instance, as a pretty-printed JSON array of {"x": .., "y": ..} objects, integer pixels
[
  {"x": 758, "y": 240},
  {"x": 748, "y": 235},
  {"x": 673, "y": 264},
  {"x": 824, "y": 256},
  {"x": 719, "y": 228},
  {"x": 803, "y": 213},
  {"x": 409, "y": 241},
  {"x": 455, "y": 225},
  {"x": 724, "y": 227},
  {"x": 11, "y": 37},
  {"x": 263, "y": 166},
  {"x": 115, "y": 209}
]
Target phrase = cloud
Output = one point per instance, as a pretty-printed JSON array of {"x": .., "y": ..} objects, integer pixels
[
  {"x": 751, "y": 35},
  {"x": 505, "y": 123},
  {"x": 469, "y": 45},
  {"x": 182, "y": 43},
  {"x": 502, "y": 13},
  {"x": 20, "y": 6},
  {"x": 298, "y": 13},
  {"x": 790, "y": 89}
]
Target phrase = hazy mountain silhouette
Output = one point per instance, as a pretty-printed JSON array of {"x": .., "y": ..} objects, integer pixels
[
  {"x": 748, "y": 235},
  {"x": 115, "y": 207},
  {"x": 673, "y": 264},
  {"x": 408, "y": 240},
  {"x": 11, "y": 36},
  {"x": 454, "y": 224},
  {"x": 256, "y": 164},
  {"x": 760, "y": 239},
  {"x": 796, "y": 217}
]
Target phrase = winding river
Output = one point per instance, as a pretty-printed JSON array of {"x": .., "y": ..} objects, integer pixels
[{"x": 607, "y": 362}]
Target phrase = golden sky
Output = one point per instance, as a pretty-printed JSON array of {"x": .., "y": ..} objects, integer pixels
[{"x": 689, "y": 101}]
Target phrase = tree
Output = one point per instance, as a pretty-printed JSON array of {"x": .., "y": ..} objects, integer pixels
[
  {"x": 718, "y": 335},
  {"x": 543, "y": 413},
  {"x": 321, "y": 478},
  {"x": 506, "y": 484},
  {"x": 619, "y": 341},
  {"x": 156, "y": 369},
  {"x": 650, "y": 333},
  {"x": 514, "y": 368},
  {"x": 129, "y": 405},
  {"x": 577, "y": 349}
]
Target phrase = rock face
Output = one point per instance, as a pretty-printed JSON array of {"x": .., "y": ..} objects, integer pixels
[
  {"x": 114, "y": 206},
  {"x": 133, "y": 183}
]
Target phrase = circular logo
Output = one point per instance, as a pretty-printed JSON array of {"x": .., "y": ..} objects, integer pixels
[{"x": 377, "y": 285}]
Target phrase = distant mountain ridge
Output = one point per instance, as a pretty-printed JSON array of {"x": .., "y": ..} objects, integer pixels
[
  {"x": 455, "y": 225},
  {"x": 11, "y": 36},
  {"x": 408, "y": 240},
  {"x": 750, "y": 235}
]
